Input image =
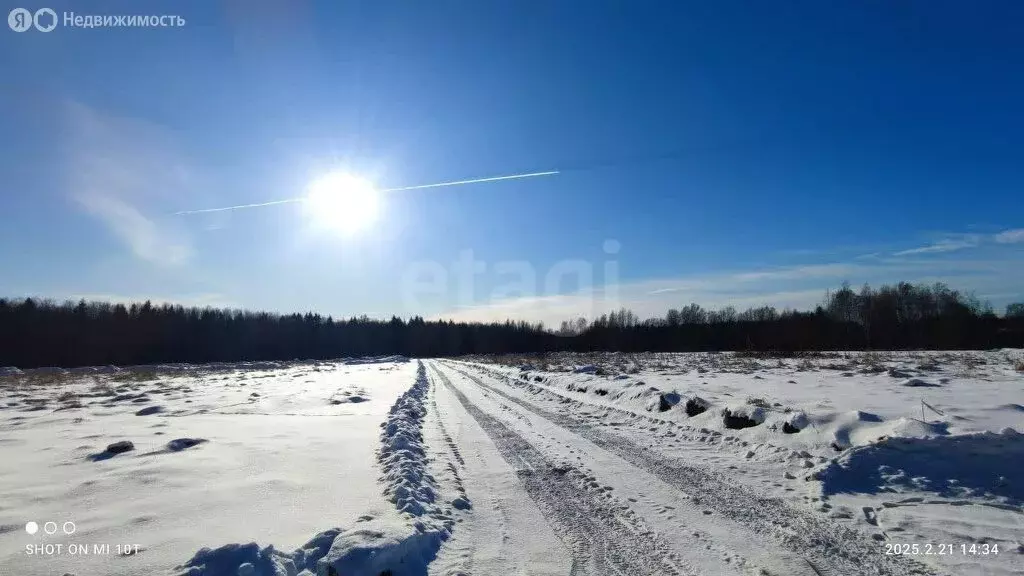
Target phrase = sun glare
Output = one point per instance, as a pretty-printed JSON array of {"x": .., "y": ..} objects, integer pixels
[{"x": 342, "y": 202}]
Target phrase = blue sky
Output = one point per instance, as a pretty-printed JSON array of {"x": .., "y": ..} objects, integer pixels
[{"x": 733, "y": 152}]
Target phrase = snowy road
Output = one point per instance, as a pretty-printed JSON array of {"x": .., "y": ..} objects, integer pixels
[
  {"x": 620, "y": 509},
  {"x": 546, "y": 467}
]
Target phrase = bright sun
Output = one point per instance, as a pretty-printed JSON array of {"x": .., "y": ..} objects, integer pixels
[{"x": 342, "y": 202}]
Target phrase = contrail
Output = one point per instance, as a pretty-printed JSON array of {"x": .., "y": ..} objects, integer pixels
[
  {"x": 474, "y": 181},
  {"x": 239, "y": 207},
  {"x": 419, "y": 187}
]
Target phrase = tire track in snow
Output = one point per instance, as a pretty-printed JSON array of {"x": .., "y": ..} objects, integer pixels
[
  {"x": 453, "y": 467},
  {"x": 829, "y": 549},
  {"x": 603, "y": 540}
]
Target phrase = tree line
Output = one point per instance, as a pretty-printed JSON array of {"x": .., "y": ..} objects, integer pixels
[{"x": 36, "y": 332}]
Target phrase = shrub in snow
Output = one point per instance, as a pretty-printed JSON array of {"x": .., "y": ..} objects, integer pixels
[
  {"x": 739, "y": 417},
  {"x": 758, "y": 402}
]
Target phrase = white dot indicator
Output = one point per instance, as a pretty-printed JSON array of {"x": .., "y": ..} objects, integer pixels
[
  {"x": 50, "y": 528},
  {"x": 31, "y": 528},
  {"x": 69, "y": 528}
]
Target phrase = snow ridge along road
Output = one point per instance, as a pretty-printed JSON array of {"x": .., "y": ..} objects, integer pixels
[
  {"x": 402, "y": 542},
  {"x": 607, "y": 546}
]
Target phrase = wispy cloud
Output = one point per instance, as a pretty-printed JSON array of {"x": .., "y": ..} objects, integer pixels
[
  {"x": 120, "y": 168},
  {"x": 1010, "y": 236},
  {"x": 798, "y": 287},
  {"x": 955, "y": 242},
  {"x": 944, "y": 245}
]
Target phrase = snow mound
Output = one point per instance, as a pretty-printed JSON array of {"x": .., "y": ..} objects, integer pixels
[
  {"x": 982, "y": 465},
  {"x": 375, "y": 547},
  {"x": 403, "y": 456},
  {"x": 375, "y": 360},
  {"x": 381, "y": 548},
  {"x": 743, "y": 416},
  {"x": 664, "y": 401},
  {"x": 45, "y": 370},
  {"x": 858, "y": 428},
  {"x": 919, "y": 383},
  {"x": 232, "y": 559},
  {"x": 95, "y": 370},
  {"x": 585, "y": 369},
  {"x": 795, "y": 422}
]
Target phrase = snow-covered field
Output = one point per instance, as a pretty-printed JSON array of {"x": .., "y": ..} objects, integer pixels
[{"x": 838, "y": 463}]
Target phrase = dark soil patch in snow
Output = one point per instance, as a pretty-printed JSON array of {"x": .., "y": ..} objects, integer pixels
[
  {"x": 348, "y": 400},
  {"x": 787, "y": 428},
  {"x": 919, "y": 383},
  {"x": 123, "y": 397},
  {"x": 113, "y": 450},
  {"x": 148, "y": 410},
  {"x": 119, "y": 447},
  {"x": 179, "y": 444}
]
